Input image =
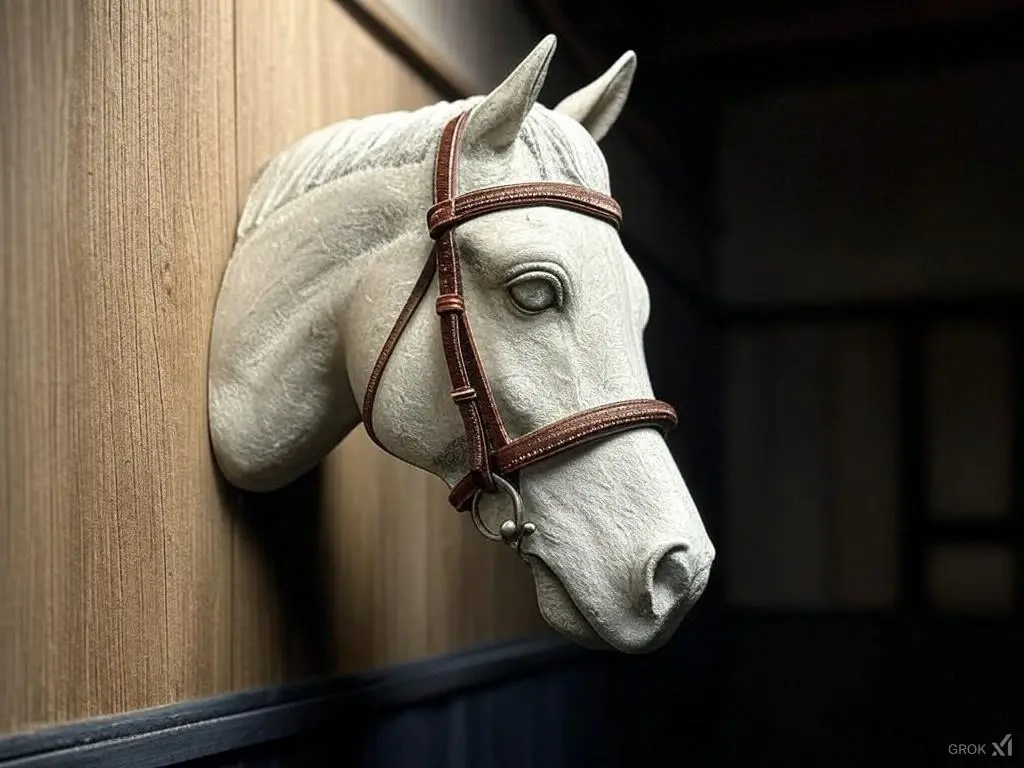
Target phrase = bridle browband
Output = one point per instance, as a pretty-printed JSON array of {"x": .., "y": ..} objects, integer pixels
[{"x": 494, "y": 457}]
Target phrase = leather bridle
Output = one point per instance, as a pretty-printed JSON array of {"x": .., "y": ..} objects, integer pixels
[{"x": 494, "y": 457}]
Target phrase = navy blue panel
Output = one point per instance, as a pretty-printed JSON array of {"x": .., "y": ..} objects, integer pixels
[
  {"x": 598, "y": 714},
  {"x": 755, "y": 690}
]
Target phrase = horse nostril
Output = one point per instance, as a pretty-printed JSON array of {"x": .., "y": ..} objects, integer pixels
[{"x": 668, "y": 580}]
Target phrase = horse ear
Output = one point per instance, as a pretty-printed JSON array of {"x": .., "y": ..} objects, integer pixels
[
  {"x": 598, "y": 105},
  {"x": 495, "y": 121}
]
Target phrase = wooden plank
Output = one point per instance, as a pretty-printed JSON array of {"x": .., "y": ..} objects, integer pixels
[
  {"x": 130, "y": 576},
  {"x": 118, "y": 201}
]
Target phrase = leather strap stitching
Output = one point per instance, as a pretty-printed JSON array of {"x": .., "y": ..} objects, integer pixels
[{"x": 447, "y": 214}]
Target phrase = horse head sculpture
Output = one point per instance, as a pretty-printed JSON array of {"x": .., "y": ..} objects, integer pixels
[{"x": 524, "y": 387}]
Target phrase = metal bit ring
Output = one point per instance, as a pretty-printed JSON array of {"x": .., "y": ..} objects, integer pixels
[{"x": 512, "y": 530}]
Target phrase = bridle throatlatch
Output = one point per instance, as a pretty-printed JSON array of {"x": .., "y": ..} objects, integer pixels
[{"x": 494, "y": 457}]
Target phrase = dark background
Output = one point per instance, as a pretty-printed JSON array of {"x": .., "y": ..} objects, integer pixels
[{"x": 848, "y": 359}]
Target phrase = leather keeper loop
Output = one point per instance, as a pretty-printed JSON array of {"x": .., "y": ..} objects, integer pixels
[
  {"x": 464, "y": 394},
  {"x": 484, "y": 479},
  {"x": 449, "y": 302},
  {"x": 438, "y": 215}
]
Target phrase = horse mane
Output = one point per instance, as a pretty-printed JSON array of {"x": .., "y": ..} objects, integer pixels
[{"x": 397, "y": 139}]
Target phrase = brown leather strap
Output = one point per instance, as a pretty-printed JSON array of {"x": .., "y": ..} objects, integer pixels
[
  {"x": 448, "y": 214},
  {"x": 565, "y": 434},
  {"x": 582, "y": 428},
  {"x": 490, "y": 449},
  {"x": 471, "y": 395},
  {"x": 419, "y": 290}
]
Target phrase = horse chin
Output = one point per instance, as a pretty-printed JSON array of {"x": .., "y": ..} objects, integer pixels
[{"x": 560, "y": 612}]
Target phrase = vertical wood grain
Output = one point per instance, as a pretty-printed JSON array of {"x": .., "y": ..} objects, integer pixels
[
  {"x": 118, "y": 199},
  {"x": 129, "y": 575}
]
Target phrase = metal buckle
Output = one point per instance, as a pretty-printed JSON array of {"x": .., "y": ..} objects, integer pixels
[{"x": 512, "y": 531}]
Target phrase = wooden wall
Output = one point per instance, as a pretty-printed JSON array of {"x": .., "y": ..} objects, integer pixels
[{"x": 130, "y": 575}]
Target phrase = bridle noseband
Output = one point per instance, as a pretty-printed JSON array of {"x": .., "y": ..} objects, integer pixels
[{"x": 494, "y": 457}]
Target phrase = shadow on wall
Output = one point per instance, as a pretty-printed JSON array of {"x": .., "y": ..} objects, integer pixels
[{"x": 285, "y": 529}]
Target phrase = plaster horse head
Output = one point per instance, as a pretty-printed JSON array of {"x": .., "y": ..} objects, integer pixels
[{"x": 522, "y": 383}]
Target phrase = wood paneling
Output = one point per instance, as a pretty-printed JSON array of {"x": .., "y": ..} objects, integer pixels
[
  {"x": 118, "y": 202},
  {"x": 130, "y": 575}
]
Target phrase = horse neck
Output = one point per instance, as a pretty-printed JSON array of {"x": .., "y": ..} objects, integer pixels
[
  {"x": 309, "y": 264},
  {"x": 389, "y": 243}
]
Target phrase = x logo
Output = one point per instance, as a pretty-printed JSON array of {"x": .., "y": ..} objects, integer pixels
[{"x": 1007, "y": 742}]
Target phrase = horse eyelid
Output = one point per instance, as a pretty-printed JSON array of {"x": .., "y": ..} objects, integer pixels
[{"x": 547, "y": 275}]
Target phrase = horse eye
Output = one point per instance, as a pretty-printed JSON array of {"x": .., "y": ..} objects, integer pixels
[{"x": 535, "y": 293}]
